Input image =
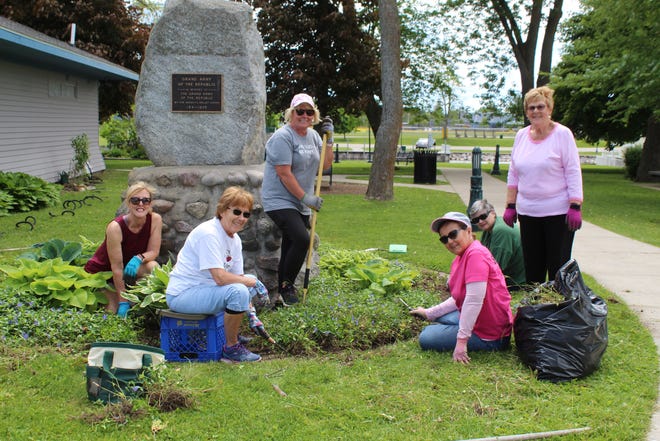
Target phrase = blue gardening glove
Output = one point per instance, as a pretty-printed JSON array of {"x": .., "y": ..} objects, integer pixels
[
  {"x": 313, "y": 202},
  {"x": 132, "y": 266},
  {"x": 122, "y": 311},
  {"x": 327, "y": 127}
]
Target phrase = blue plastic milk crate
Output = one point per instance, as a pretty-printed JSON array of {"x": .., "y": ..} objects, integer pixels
[{"x": 191, "y": 337}]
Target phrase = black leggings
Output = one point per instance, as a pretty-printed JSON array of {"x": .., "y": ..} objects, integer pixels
[
  {"x": 295, "y": 242},
  {"x": 546, "y": 244}
]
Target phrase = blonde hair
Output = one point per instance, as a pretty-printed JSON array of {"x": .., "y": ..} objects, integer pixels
[
  {"x": 289, "y": 111},
  {"x": 136, "y": 188},
  {"x": 543, "y": 92},
  {"x": 234, "y": 196}
]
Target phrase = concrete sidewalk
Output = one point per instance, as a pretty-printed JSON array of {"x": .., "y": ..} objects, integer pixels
[{"x": 628, "y": 268}]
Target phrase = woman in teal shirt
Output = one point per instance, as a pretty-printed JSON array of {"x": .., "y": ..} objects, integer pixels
[{"x": 502, "y": 241}]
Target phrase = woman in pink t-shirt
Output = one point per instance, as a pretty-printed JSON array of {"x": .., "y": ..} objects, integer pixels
[{"x": 477, "y": 316}]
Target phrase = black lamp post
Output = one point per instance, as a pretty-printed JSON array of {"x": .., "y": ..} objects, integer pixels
[{"x": 476, "y": 188}]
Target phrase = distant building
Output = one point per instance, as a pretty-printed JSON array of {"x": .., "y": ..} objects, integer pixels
[{"x": 48, "y": 96}]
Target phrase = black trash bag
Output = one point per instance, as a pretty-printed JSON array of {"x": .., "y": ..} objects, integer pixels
[{"x": 563, "y": 341}]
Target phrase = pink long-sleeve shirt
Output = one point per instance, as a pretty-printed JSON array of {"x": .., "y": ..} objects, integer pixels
[{"x": 546, "y": 173}]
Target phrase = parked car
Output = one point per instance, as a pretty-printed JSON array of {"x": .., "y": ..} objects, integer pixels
[{"x": 423, "y": 143}]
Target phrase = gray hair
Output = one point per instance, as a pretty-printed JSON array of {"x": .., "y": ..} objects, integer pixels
[{"x": 481, "y": 205}]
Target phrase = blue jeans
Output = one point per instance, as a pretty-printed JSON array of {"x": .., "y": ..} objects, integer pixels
[
  {"x": 442, "y": 334},
  {"x": 211, "y": 299}
]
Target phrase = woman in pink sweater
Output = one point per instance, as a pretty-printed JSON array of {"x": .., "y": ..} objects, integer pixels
[
  {"x": 477, "y": 316},
  {"x": 544, "y": 188}
]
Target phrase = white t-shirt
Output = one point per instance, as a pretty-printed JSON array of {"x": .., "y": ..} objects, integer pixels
[{"x": 207, "y": 246}]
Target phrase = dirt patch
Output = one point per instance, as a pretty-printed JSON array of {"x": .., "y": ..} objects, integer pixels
[{"x": 344, "y": 188}]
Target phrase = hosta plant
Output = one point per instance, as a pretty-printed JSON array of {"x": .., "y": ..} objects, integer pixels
[
  {"x": 58, "y": 282},
  {"x": 382, "y": 276},
  {"x": 149, "y": 291}
]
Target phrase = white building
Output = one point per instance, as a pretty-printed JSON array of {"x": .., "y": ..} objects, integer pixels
[{"x": 48, "y": 96}]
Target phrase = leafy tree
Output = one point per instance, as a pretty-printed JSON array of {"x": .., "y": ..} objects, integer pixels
[
  {"x": 428, "y": 61},
  {"x": 327, "y": 48},
  {"x": 381, "y": 179},
  {"x": 607, "y": 82},
  {"x": 483, "y": 28},
  {"x": 109, "y": 29}
]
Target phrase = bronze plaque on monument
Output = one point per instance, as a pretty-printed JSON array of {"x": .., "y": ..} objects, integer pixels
[{"x": 196, "y": 93}]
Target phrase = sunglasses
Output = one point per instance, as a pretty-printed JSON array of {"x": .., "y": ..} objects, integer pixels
[
  {"x": 136, "y": 201},
  {"x": 237, "y": 212},
  {"x": 539, "y": 107},
  {"x": 309, "y": 112},
  {"x": 476, "y": 220},
  {"x": 453, "y": 234}
]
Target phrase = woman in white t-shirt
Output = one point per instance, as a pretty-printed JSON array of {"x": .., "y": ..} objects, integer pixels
[{"x": 208, "y": 276}]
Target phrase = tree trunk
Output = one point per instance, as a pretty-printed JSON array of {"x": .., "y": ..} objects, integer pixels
[
  {"x": 650, "y": 160},
  {"x": 548, "y": 42},
  {"x": 381, "y": 179}
]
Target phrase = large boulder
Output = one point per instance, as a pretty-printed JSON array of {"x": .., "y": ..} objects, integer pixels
[{"x": 214, "y": 40}]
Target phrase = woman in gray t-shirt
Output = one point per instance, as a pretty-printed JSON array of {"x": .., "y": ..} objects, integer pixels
[{"x": 292, "y": 162}]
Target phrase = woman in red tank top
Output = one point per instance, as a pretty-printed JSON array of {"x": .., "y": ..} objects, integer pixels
[{"x": 131, "y": 245}]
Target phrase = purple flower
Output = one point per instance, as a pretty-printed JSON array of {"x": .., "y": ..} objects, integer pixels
[{"x": 25, "y": 335}]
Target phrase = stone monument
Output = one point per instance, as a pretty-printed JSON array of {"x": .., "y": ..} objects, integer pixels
[
  {"x": 200, "y": 114},
  {"x": 201, "y": 99}
]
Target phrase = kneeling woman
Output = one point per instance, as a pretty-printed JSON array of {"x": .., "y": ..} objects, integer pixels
[
  {"x": 477, "y": 316},
  {"x": 208, "y": 276}
]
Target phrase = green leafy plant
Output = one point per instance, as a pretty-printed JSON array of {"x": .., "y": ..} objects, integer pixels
[
  {"x": 58, "y": 282},
  {"x": 382, "y": 276},
  {"x": 26, "y": 319},
  {"x": 149, "y": 291},
  {"x": 76, "y": 253},
  {"x": 80, "y": 146},
  {"x": 336, "y": 262},
  {"x": 67, "y": 251},
  {"x": 20, "y": 192}
]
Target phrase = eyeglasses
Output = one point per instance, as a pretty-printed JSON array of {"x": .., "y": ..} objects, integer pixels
[
  {"x": 309, "y": 112},
  {"x": 237, "y": 212},
  {"x": 539, "y": 107},
  {"x": 136, "y": 201},
  {"x": 453, "y": 234},
  {"x": 476, "y": 220}
]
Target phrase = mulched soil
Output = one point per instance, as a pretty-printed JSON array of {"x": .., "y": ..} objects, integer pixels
[{"x": 344, "y": 188}]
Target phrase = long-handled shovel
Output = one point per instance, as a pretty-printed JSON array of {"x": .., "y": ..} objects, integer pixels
[{"x": 317, "y": 193}]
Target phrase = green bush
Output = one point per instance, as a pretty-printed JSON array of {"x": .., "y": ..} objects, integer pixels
[
  {"x": 20, "y": 192},
  {"x": 631, "y": 158},
  {"x": 122, "y": 138}
]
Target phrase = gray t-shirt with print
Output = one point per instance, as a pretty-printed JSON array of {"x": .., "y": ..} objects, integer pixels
[{"x": 286, "y": 147}]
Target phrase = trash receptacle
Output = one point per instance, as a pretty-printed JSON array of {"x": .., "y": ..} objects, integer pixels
[{"x": 424, "y": 166}]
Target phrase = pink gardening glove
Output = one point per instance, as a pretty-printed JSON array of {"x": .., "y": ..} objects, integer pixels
[
  {"x": 510, "y": 215},
  {"x": 460, "y": 351},
  {"x": 574, "y": 219}
]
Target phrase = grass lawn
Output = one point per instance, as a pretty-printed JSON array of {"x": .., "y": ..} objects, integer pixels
[{"x": 392, "y": 392}]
